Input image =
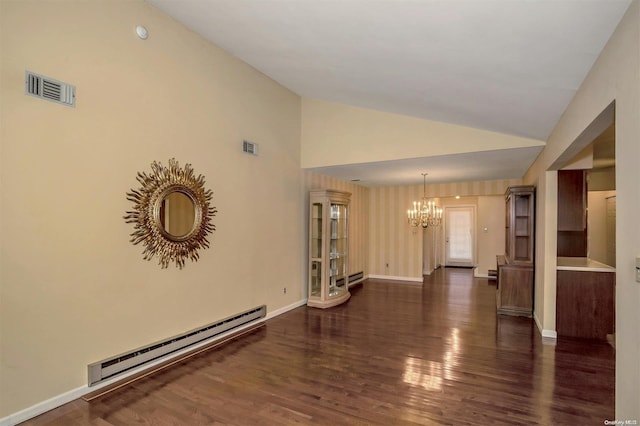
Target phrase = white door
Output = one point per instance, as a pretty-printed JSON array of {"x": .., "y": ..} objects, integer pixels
[{"x": 459, "y": 235}]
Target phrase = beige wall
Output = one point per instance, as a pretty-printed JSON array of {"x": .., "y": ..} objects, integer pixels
[
  {"x": 614, "y": 77},
  {"x": 602, "y": 179},
  {"x": 73, "y": 289},
  {"x": 335, "y": 134},
  {"x": 358, "y": 217},
  {"x": 491, "y": 229},
  {"x": 70, "y": 280},
  {"x": 394, "y": 243},
  {"x": 597, "y": 224}
]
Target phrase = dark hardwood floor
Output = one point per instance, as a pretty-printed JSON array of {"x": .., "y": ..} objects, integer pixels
[{"x": 394, "y": 354}]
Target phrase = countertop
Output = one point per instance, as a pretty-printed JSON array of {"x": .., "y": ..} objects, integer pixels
[{"x": 582, "y": 264}]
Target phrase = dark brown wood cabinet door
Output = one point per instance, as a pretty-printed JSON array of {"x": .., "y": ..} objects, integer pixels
[
  {"x": 572, "y": 200},
  {"x": 585, "y": 304},
  {"x": 572, "y": 213}
]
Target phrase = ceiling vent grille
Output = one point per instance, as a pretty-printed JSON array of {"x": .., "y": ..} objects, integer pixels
[
  {"x": 250, "y": 147},
  {"x": 49, "y": 89}
]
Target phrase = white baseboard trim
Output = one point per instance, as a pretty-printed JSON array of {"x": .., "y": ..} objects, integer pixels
[
  {"x": 56, "y": 401},
  {"x": 549, "y": 334},
  {"x": 44, "y": 406},
  {"x": 535, "y": 318},
  {"x": 395, "y": 278},
  {"x": 287, "y": 308},
  {"x": 477, "y": 275}
]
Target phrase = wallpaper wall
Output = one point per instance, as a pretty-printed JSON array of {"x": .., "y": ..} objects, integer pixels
[{"x": 395, "y": 248}]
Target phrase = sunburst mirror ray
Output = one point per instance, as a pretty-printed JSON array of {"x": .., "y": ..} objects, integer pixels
[{"x": 171, "y": 213}]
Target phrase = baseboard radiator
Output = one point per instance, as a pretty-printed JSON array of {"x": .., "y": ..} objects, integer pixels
[
  {"x": 120, "y": 364},
  {"x": 356, "y": 278}
]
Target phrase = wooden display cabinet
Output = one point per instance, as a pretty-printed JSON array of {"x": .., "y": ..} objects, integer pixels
[
  {"x": 519, "y": 211},
  {"x": 514, "y": 294},
  {"x": 328, "y": 248}
]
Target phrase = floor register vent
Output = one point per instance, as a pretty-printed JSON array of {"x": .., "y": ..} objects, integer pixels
[{"x": 119, "y": 364}]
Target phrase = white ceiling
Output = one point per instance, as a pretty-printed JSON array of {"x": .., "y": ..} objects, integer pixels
[
  {"x": 468, "y": 167},
  {"x": 509, "y": 66}
]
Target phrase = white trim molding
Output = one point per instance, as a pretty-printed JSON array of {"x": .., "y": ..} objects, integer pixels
[
  {"x": 477, "y": 275},
  {"x": 288, "y": 308},
  {"x": 548, "y": 334},
  {"x": 57, "y": 401},
  {"x": 395, "y": 278},
  {"x": 44, "y": 406}
]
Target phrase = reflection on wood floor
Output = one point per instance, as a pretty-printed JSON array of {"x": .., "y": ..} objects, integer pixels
[{"x": 395, "y": 354}]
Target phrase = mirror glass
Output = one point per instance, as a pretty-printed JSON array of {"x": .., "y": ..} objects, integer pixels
[
  {"x": 177, "y": 214},
  {"x": 171, "y": 213}
]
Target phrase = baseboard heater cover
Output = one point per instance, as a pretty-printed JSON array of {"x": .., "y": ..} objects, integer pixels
[
  {"x": 119, "y": 364},
  {"x": 356, "y": 278}
]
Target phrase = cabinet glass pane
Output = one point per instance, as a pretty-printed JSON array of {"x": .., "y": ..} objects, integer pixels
[
  {"x": 338, "y": 247},
  {"x": 338, "y": 243},
  {"x": 338, "y": 221},
  {"x": 316, "y": 278},
  {"x": 316, "y": 230},
  {"x": 522, "y": 249},
  {"x": 522, "y": 205},
  {"x": 337, "y": 276},
  {"x": 522, "y": 226}
]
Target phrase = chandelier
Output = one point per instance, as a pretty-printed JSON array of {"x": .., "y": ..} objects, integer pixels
[{"x": 424, "y": 213}]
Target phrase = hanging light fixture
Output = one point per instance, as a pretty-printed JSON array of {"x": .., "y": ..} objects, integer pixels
[{"x": 424, "y": 213}]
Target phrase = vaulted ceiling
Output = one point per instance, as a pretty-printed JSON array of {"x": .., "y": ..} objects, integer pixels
[{"x": 506, "y": 66}]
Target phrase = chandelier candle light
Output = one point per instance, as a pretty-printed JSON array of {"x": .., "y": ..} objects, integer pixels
[{"x": 425, "y": 213}]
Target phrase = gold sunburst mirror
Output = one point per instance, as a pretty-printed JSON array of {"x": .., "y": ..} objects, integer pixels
[{"x": 171, "y": 213}]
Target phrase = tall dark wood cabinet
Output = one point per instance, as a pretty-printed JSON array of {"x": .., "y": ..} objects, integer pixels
[{"x": 514, "y": 294}]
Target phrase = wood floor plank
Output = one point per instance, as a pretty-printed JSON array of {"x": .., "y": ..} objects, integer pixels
[{"x": 394, "y": 354}]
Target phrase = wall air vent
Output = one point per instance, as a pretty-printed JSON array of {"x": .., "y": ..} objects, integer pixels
[
  {"x": 250, "y": 147},
  {"x": 49, "y": 89}
]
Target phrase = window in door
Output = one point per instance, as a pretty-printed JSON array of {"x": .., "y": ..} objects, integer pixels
[{"x": 459, "y": 236}]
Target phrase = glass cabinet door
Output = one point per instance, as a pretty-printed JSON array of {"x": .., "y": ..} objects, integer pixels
[
  {"x": 328, "y": 248},
  {"x": 316, "y": 250},
  {"x": 338, "y": 250}
]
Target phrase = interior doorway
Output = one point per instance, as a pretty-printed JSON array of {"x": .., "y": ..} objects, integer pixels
[
  {"x": 459, "y": 235},
  {"x": 586, "y": 194}
]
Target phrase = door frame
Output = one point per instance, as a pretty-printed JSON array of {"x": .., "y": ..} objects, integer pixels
[{"x": 474, "y": 239}]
